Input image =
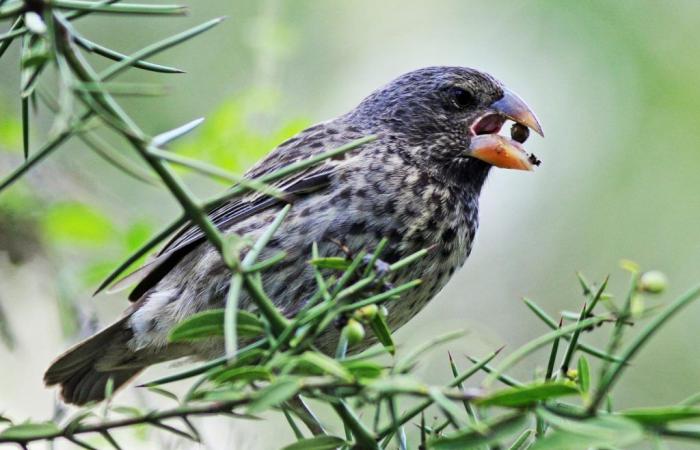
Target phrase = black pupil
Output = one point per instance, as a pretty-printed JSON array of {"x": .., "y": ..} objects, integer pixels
[{"x": 462, "y": 98}]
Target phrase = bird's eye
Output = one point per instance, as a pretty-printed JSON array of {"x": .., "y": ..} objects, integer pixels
[{"x": 461, "y": 98}]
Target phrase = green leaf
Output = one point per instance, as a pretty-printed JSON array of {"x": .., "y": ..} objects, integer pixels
[
  {"x": 381, "y": 329},
  {"x": 551, "y": 323},
  {"x": 331, "y": 262},
  {"x": 248, "y": 324},
  {"x": 661, "y": 415},
  {"x": 471, "y": 439},
  {"x": 363, "y": 369},
  {"x": 168, "y": 136},
  {"x": 325, "y": 364},
  {"x": 199, "y": 326},
  {"x": 692, "y": 400},
  {"x": 25, "y": 126},
  {"x": 123, "y": 8},
  {"x": 521, "y": 443},
  {"x": 584, "y": 374},
  {"x": 231, "y": 313},
  {"x": 130, "y": 411},
  {"x": 275, "y": 393},
  {"x": 517, "y": 397},
  {"x": 317, "y": 443},
  {"x": 589, "y": 433},
  {"x": 76, "y": 419},
  {"x": 450, "y": 409},
  {"x": 116, "y": 56},
  {"x": 164, "y": 393},
  {"x": 398, "y": 384},
  {"x": 535, "y": 344},
  {"x": 638, "y": 342},
  {"x": 210, "y": 323},
  {"x": 242, "y": 373},
  {"x": 30, "y": 430},
  {"x": 123, "y": 89}
]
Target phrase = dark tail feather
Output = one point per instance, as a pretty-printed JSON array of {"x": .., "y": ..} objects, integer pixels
[{"x": 83, "y": 370}]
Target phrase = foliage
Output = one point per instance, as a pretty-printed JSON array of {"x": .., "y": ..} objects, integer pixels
[
  {"x": 228, "y": 138},
  {"x": 279, "y": 366}
]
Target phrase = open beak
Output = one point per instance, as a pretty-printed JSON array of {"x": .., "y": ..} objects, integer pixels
[{"x": 500, "y": 151}]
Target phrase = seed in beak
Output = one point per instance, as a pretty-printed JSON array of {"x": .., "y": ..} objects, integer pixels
[{"x": 519, "y": 132}]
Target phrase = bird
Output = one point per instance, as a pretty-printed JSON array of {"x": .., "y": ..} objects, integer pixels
[{"x": 417, "y": 184}]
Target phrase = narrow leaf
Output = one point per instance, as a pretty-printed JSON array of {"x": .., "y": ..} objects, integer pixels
[
  {"x": 521, "y": 443},
  {"x": 277, "y": 392},
  {"x": 608, "y": 431},
  {"x": 497, "y": 429},
  {"x": 25, "y": 126},
  {"x": 331, "y": 262},
  {"x": 551, "y": 323},
  {"x": 210, "y": 323},
  {"x": 230, "y": 313},
  {"x": 363, "y": 369},
  {"x": 317, "y": 443},
  {"x": 30, "y": 430},
  {"x": 242, "y": 373},
  {"x": 661, "y": 415},
  {"x": 116, "y": 56},
  {"x": 165, "y": 393},
  {"x": 584, "y": 374},
  {"x": 638, "y": 342},
  {"x": 326, "y": 365},
  {"x": 381, "y": 330},
  {"x": 517, "y": 397},
  {"x": 450, "y": 410},
  {"x": 123, "y": 8},
  {"x": 169, "y": 136},
  {"x": 539, "y": 342}
]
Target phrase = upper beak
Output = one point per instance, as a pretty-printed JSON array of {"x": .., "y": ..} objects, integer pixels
[
  {"x": 501, "y": 151},
  {"x": 515, "y": 108}
]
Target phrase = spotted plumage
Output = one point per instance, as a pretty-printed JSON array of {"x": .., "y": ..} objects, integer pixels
[{"x": 416, "y": 185}]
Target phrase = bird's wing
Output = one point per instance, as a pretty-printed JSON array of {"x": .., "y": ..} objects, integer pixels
[
  {"x": 224, "y": 217},
  {"x": 303, "y": 146}
]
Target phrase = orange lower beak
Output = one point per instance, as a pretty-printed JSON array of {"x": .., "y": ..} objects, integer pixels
[{"x": 502, "y": 152}]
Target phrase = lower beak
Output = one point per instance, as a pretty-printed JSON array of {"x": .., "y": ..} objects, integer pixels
[{"x": 501, "y": 151}]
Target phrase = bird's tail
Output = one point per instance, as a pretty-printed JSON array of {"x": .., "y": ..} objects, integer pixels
[{"x": 84, "y": 370}]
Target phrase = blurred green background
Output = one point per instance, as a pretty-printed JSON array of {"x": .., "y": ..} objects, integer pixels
[{"x": 615, "y": 85}]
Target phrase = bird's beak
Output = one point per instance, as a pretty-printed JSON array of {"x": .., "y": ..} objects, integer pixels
[
  {"x": 515, "y": 108},
  {"x": 500, "y": 151}
]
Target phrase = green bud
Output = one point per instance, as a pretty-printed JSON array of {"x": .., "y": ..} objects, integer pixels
[
  {"x": 366, "y": 312},
  {"x": 653, "y": 282},
  {"x": 572, "y": 374},
  {"x": 354, "y": 332}
]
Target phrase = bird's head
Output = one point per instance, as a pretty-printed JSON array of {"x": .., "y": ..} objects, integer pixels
[{"x": 449, "y": 119}]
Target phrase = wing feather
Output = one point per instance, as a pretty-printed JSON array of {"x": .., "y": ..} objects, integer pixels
[{"x": 309, "y": 142}]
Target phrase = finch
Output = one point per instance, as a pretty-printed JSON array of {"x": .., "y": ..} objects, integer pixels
[{"x": 417, "y": 184}]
